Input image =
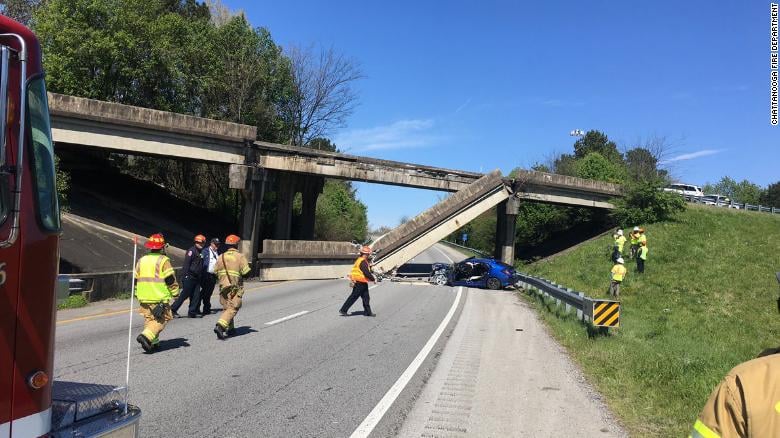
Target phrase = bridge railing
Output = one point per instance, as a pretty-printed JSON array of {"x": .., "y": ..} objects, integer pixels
[
  {"x": 597, "y": 312},
  {"x": 732, "y": 204}
]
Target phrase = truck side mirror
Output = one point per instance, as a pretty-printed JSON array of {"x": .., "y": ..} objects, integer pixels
[{"x": 4, "y": 67}]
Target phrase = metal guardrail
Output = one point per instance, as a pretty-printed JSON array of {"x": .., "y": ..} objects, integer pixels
[
  {"x": 732, "y": 204},
  {"x": 598, "y": 312}
]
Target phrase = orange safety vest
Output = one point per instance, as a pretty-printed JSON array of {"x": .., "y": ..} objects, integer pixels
[{"x": 356, "y": 274}]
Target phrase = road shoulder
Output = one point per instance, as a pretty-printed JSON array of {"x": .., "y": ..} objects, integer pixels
[{"x": 502, "y": 375}]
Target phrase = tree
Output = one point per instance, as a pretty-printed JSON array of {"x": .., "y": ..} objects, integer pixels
[
  {"x": 641, "y": 164},
  {"x": 565, "y": 164},
  {"x": 645, "y": 202},
  {"x": 20, "y": 10},
  {"x": 597, "y": 141},
  {"x": 771, "y": 196},
  {"x": 596, "y": 166},
  {"x": 340, "y": 216},
  {"x": 322, "y": 95},
  {"x": 743, "y": 191}
]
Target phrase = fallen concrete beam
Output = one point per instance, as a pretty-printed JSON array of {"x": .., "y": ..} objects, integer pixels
[{"x": 413, "y": 237}]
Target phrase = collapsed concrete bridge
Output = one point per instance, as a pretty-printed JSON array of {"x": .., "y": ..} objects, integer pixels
[{"x": 79, "y": 123}]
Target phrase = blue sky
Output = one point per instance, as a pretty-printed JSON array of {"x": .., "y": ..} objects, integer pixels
[{"x": 500, "y": 84}]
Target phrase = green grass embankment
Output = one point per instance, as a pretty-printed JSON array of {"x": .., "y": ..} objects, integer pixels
[{"x": 705, "y": 303}]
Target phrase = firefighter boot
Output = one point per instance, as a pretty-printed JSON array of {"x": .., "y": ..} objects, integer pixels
[
  {"x": 220, "y": 331},
  {"x": 146, "y": 344},
  {"x": 231, "y": 330}
]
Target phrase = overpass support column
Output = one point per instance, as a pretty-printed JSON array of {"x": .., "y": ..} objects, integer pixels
[
  {"x": 251, "y": 181},
  {"x": 312, "y": 187},
  {"x": 284, "y": 205},
  {"x": 506, "y": 219}
]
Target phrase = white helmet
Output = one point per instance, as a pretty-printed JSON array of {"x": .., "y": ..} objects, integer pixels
[
  {"x": 636, "y": 228},
  {"x": 620, "y": 260},
  {"x": 620, "y": 232}
]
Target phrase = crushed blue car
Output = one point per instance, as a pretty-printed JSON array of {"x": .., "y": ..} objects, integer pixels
[{"x": 474, "y": 272}]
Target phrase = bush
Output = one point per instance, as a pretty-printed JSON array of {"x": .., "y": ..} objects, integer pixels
[
  {"x": 645, "y": 202},
  {"x": 73, "y": 302}
]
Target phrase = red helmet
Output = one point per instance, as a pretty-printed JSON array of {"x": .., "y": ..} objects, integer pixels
[
  {"x": 365, "y": 250},
  {"x": 200, "y": 238},
  {"x": 232, "y": 239},
  {"x": 155, "y": 241}
]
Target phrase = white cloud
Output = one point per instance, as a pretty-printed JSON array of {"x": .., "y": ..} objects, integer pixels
[
  {"x": 692, "y": 155},
  {"x": 403, "y": 134}
]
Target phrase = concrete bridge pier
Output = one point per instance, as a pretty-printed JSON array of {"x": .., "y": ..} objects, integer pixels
[
  {"x": 506, "y": 219},
  {"x": 285, "y": 193},
  {"x": 311, "y": 187},
  {"x": 252, "y": 182}
]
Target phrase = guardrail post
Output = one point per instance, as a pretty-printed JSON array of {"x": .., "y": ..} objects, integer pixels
[
  {"x": 568, "y": 307},
  {"x": 579, "y": 311}
]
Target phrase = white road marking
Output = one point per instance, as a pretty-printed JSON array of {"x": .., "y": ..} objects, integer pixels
[
  {"x": 288, "y": 317},
  {"x": 368, "y": 425}
]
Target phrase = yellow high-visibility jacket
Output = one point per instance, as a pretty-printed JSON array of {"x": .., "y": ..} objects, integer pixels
[
  {"x": 150, "y": 274},
  {"x": 618, "y": 272}
]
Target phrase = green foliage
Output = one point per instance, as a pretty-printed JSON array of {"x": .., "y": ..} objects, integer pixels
[
  {"x": 565, "y": 164},
  {"x": 20, "y": 10},
  {"x": 677, "y": 335},
  {"x": 641, "y": 164},
  {"x": 644, "y": 203},
  {"x": 340, "y": 216},
  {"x": 73, "y": 302},
  {"x": 743, "y": 191},
  {"x": 771, "y": 196},
  {"x": 63, "y": 184},
  {"x": 596, "y": 166},
  {"x": 597, "y": 141}
]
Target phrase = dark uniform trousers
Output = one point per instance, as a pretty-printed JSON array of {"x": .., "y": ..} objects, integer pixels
[
  {"x": 360, "y": 290},
  {"x": 207, "y": 284},
  {"x": 190, "y": 290}
]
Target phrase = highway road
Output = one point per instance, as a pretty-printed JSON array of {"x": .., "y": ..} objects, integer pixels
[{"x": 295, "y": 369}]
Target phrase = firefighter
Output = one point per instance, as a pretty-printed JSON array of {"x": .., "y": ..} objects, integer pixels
[
  {"x": 746, "y": 403},
  {"x": 617, "y": 248},
  {"x": 617, "y": 275},
  {"x": 634, "y": 235},
  {"x": 155, "y": 286},
  {"x": 231, "y": 268},
  {"x": 192, "y": 269},
  {"x": 641, "y": 258},
  {"x": 642, "y": 236},
  {"x": 360, "y": 276}
]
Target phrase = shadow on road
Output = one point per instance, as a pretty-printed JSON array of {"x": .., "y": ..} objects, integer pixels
[
  {"x": 172, "y": 344},
  {"x": 243, "y": 330}
]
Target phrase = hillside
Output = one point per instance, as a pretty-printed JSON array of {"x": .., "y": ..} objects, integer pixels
[{"x": 706, "y": 302}]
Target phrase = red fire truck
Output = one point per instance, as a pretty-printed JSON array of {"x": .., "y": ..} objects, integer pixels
[{"x": 31, "y": 403}]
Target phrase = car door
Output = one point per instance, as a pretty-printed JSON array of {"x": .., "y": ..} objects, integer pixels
[{"x": 479, "y": 276}]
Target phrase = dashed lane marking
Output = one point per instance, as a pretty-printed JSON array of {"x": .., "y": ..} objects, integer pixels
[{"x": 287, "y": 318}]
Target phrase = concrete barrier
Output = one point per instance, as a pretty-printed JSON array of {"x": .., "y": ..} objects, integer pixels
[
  {"x": 305, "y": 260},
  {"x": 98, "y": 286}
]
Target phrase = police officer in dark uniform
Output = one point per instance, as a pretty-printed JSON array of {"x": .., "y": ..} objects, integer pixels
[{"x": 191, "y": 271}]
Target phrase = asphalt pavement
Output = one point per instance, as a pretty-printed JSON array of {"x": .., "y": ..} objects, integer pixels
[
  {"x": 295, "y": 368},
  {"x": 436, "y": 361}
]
